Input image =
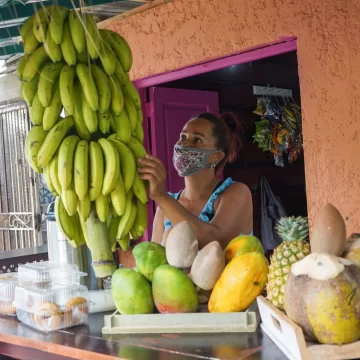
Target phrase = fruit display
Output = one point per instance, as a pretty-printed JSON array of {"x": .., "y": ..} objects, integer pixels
[
  {"x": 88, "y": 157},
  {"x": 243, "y": 279},
  {"x": 294, "y": 231},
  {"x": 328, "y": 309}
]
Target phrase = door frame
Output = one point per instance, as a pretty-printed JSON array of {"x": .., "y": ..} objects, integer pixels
[{"x": 284, "y": 45}]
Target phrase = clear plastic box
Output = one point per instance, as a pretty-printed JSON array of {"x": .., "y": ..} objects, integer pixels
[
  {"x": 43, "y": 275},
  {"x": 8, "y": 283},
  {"x": 52, "y": 309}
]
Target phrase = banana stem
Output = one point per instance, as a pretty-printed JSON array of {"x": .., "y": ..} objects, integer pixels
[{"x": 97, "y": 239}]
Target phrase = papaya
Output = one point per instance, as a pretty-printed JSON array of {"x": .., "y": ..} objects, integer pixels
[
  {"x": 173, "y": 291},
  {"x": 131, "y": 292},
  {"x": 148, "y": 256},
  {"x": 243, "y": 279},
  {"x": 242, "y": 244}
]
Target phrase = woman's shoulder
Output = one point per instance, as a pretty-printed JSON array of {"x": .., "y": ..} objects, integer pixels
[{"x": 235, "y": 189}]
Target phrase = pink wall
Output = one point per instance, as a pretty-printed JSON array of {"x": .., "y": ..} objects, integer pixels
[{"x": 185, "y": 32}]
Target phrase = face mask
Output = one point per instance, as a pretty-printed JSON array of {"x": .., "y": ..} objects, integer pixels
[{"x": 188, "y": 161}]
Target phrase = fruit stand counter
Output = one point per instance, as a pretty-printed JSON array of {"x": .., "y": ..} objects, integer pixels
[{"x": 87, "y": 342}]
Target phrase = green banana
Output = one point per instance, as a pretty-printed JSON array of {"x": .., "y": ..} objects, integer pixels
[
  {"x": 83, "y": 58},
  {"x": 66, "y": 84},
  {"x": 81, "y": 169},
  {"x": 139, "y": 132},
  {"x": 36, "y": 111},
  {"x": 34, "y": 63},
  {"x": 22, "y": 90},
  {"x": 40, "y": 24},
  {"x": 53, "y": 171},
  {"x": 21, "y": 66},
  {"x": 79, "y": 121},
  {"x": 30, "y": 42},
  {"x": 131, "y": 112},
  {"x": 53, "y": 111},
  {"x": 90, "y": 116},
  {"x": 63, "y": 220},
  {"x": 66, "y": 161},
  {"x": 117, "y": 97},
  {"x": 102, "y": 207},
  {"x": 79, "y": 238},
  {"x": 137, "y": 148},
  {"x": 127, "y": 162},
  {"x": 112, "y": 166},
  {"x": 113, "y": 123},
  {"x": 127, "y": 220},
  {"x": 48, "y": 77},
  {"x": 107, "y": 56},
  {"x": 102, "y": 85},
  {"x": 96, "y": 170},
  {"x": 104, "y": 121},
  {"x": 140, "y": 116},
  {"x": 53, "y": 50},
  {"x": 118, "y": 197},
  {"x": 92, "y": 36},
  {"x": 84, "y": 208},
  {"x": 34, "y": 140},
  {"x": 70, "y": 200},
  {"x": 30, "y": 89},
  {"x": 120, "y": 73},
  {"x": 122, "y": 50},
  {"x": 53, "y": 140},
  {"x": 67, "y": 46},
  {"x": 124, "y": 242},
  {"x": 122, "y": 127},
  {"x": 56, "y": 25},
  {"x": 114, "y": 224},
  {"x": 139, "y": 189},
  {"x": 141, "y": 219},
  {"x": 130, "y": 89},
  {"x": 83, "y": 72},
  {"x": 48, "y": 181},
  {"x": 77, "y": 31},
  {"x": 26, "y": 27}
]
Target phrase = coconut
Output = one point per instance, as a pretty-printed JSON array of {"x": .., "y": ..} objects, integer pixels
[
  {"x": 208, "y": 266},
  {"x": 329, "y": 232},
  {"x": 322, "y": 295},
  {"x": 352, "y": 249},
  {"x": 181, "y": 245}
]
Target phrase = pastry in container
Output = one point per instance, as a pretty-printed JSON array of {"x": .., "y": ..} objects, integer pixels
[
  {"x": 52, "y": 308},
  {"x": 42, "y": 275},
  {"x": 8, "y": 282}
]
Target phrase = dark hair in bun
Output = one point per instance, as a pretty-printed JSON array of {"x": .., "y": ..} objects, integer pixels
[{"x": 228, "y": 130}]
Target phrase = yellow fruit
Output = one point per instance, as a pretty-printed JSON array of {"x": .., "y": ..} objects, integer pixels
[
  {"x": 243, "y": 279},
  {"x": 242, "y": 244}
]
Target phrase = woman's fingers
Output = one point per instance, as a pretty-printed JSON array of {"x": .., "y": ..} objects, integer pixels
[
  {"x": 149, "y": 177},
  {"x": 148, "y": 162},
  {"x": 149, "y": 170},
  {"x": 154, "y": 158}
]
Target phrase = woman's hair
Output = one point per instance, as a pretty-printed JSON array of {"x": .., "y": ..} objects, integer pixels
[{"x": 228, "y": 131}]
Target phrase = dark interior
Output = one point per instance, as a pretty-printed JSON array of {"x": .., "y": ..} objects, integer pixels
[{"x": 234, "y": 86}]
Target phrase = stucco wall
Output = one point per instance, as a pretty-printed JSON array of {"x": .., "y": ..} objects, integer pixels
[{"x": 185, "y": 32}]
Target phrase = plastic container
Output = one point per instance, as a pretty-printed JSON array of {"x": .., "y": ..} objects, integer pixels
[
  {"x": 8, "y": 283},
  {"x": 43, "y": 275},
  {"x": 52, "y": 309}
]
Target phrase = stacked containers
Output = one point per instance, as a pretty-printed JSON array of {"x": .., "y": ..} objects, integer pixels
[
  {"x": 49, "y": 296},
  {"x": 8, "y": 283}
]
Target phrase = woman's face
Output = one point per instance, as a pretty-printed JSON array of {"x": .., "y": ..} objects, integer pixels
[{"x": 198, "y": 133}]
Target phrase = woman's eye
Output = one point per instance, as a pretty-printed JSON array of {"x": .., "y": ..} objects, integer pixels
[
  {"x": 182, "y": 137},
  {"x": 197, "y": 140}
]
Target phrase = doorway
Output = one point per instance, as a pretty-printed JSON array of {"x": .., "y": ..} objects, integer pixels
[{"x": 227, "y": 85}]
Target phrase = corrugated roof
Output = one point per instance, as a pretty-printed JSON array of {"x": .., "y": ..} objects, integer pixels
[{"x": 13, "y": 13}]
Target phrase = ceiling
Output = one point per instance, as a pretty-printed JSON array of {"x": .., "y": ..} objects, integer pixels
[{"x": 13, "y": 13}]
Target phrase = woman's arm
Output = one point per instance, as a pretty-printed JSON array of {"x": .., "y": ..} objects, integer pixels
[
  {"x": 233, "y": 215},
  {"x": 158, "y": 227}
]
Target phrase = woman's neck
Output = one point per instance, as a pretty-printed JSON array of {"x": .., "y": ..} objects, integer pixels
[{"x": 200, "y": 185}]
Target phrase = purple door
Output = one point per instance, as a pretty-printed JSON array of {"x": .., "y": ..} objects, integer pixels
[{"x": 169, "y": 110}]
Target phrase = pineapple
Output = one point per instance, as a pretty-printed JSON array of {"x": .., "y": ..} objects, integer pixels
[{"x": 294, "y": 231}]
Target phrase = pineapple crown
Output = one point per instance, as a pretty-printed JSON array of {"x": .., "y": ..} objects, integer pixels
[{"x": 293, "y": 228}]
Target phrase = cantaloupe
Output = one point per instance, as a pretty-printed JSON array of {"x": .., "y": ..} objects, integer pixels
[{"x": 181, "y": 245}]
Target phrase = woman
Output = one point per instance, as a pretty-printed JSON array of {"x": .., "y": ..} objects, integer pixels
[{"x": 216, "y": 210}]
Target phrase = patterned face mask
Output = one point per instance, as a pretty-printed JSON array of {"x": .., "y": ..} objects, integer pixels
[{"x": 188, "y": 161}]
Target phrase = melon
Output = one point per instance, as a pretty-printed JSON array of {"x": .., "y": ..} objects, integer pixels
[
  {"x": 148, "y": 256},
  {"x": 181, "y": 245},
  {"x": 242, "y": 244},
  {"x": 322, "y": 295},
  {"x": 208, "y": 266},
  {"x": 173, "y": 291}
]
